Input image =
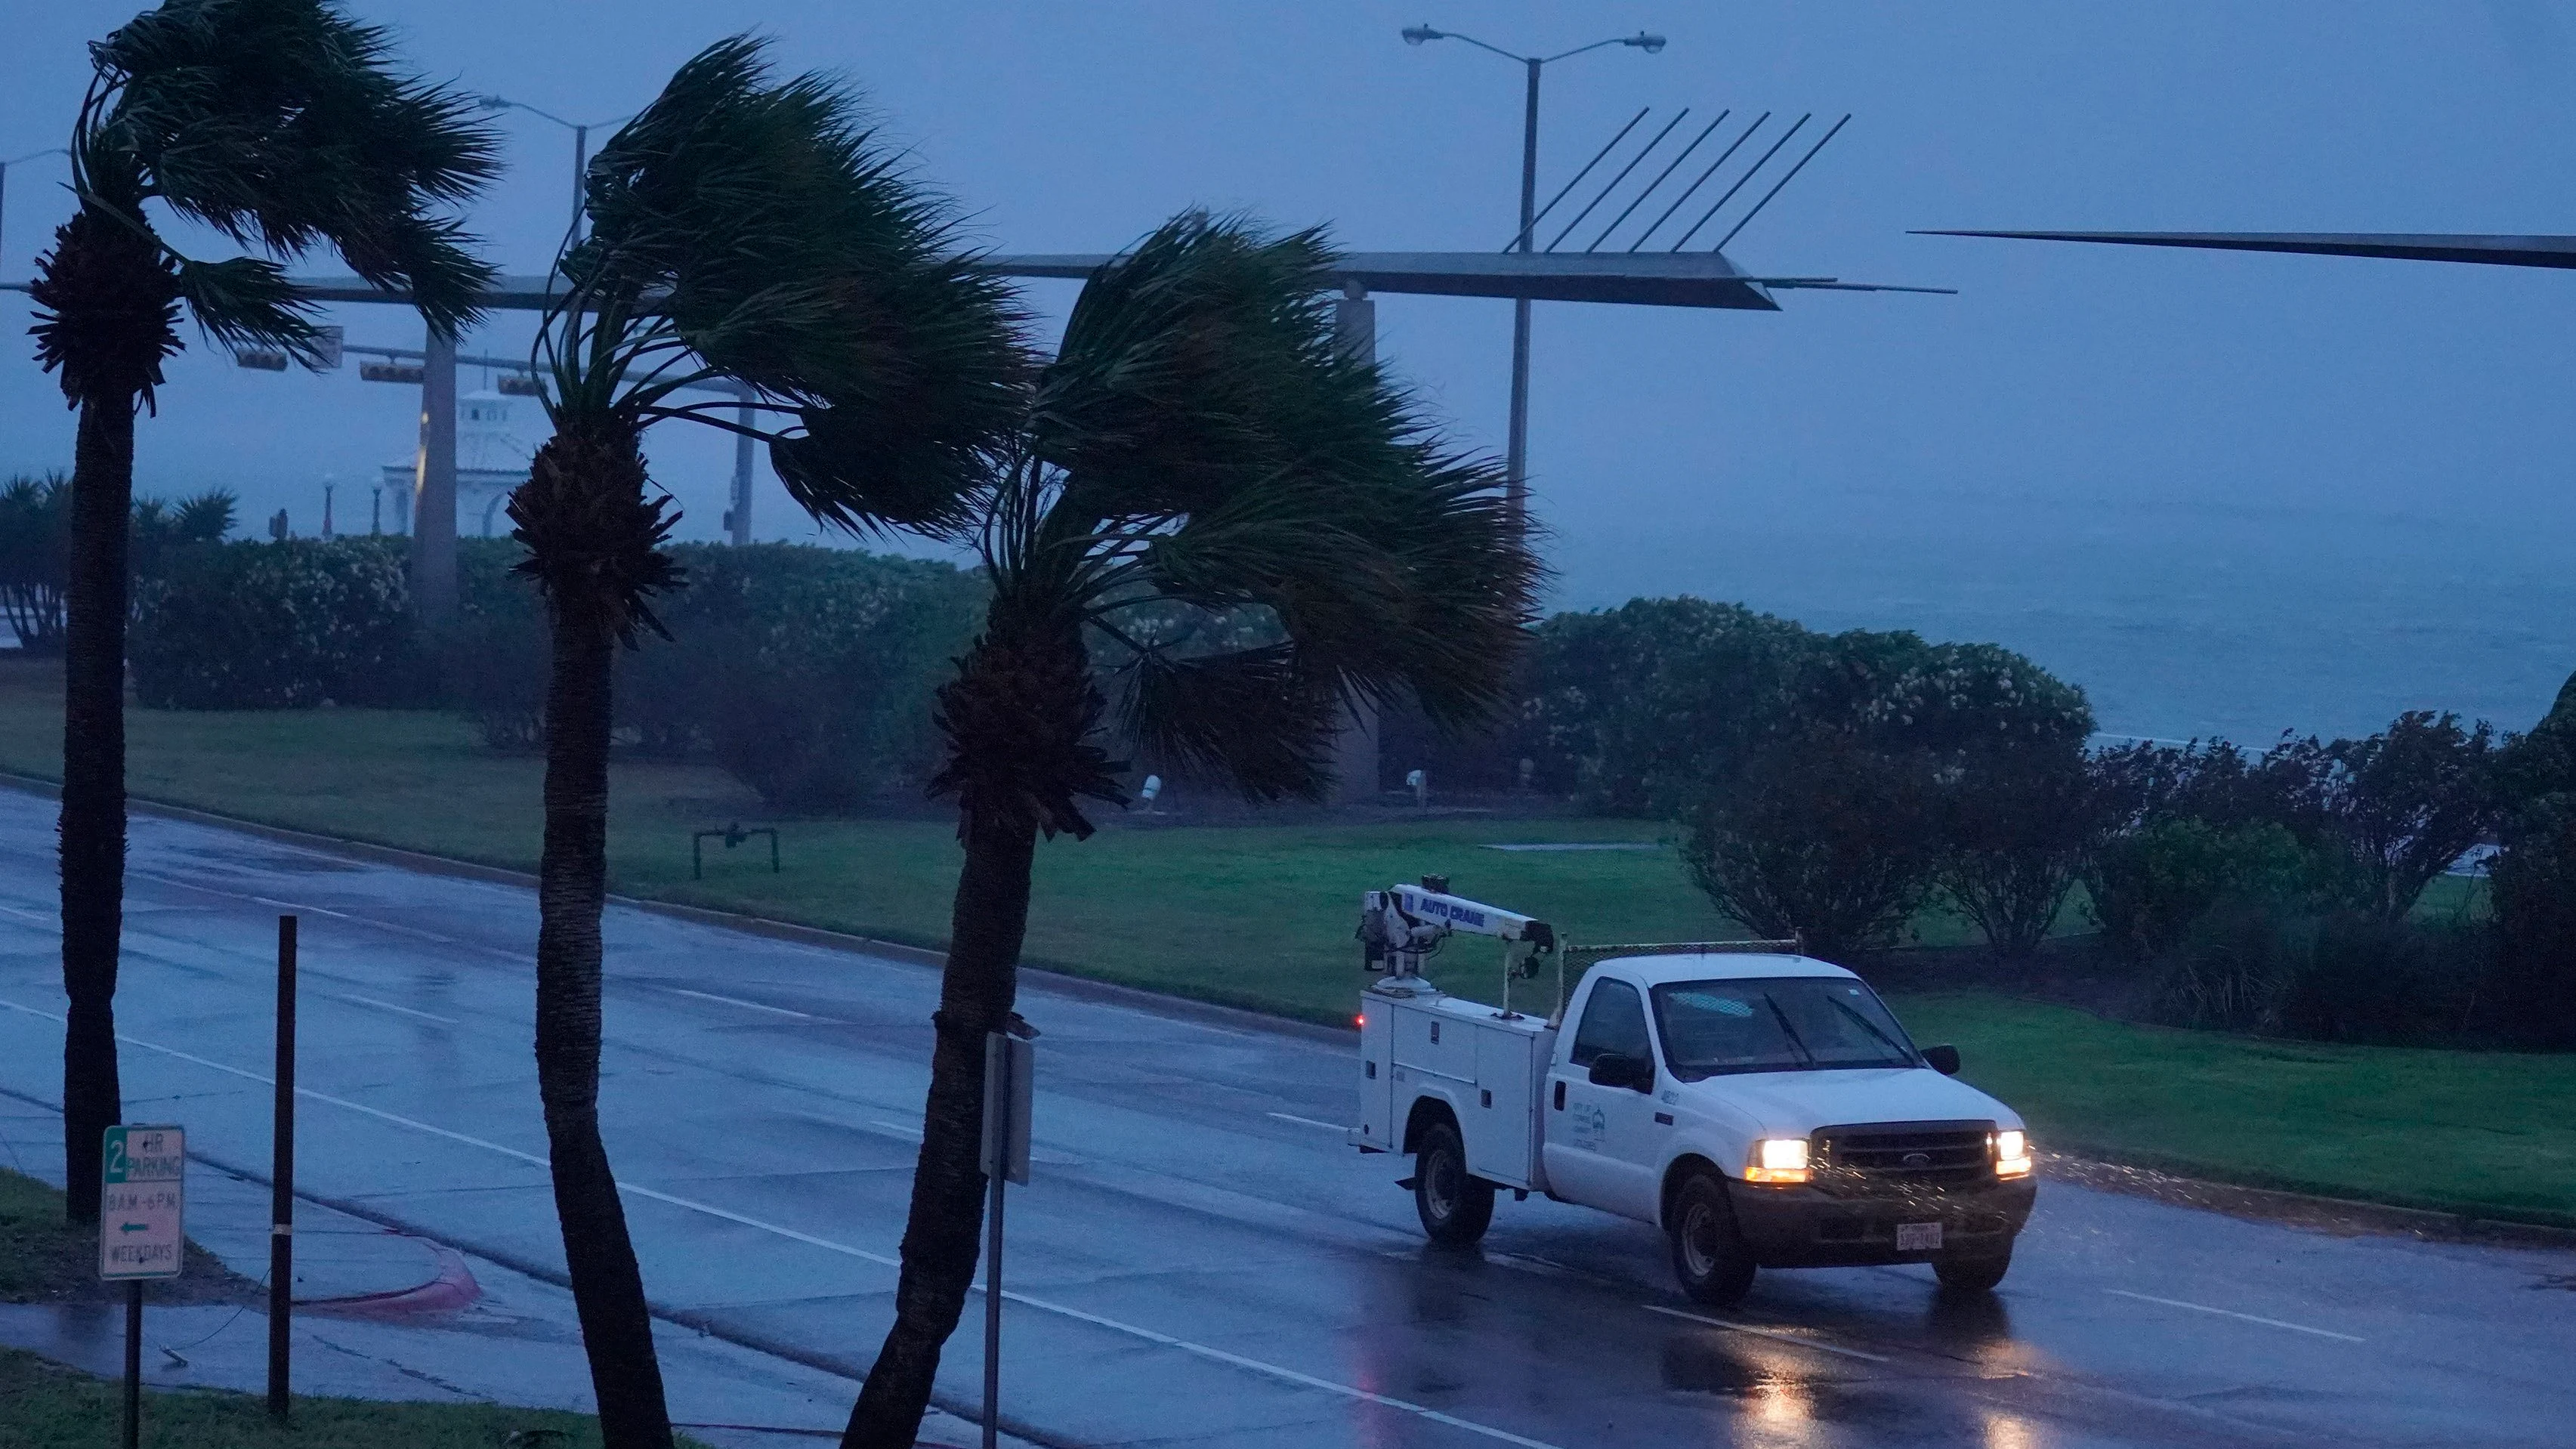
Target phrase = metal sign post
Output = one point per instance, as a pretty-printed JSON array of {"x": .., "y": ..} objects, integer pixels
[
  {"x": 1010, "y": 1066},
  {"x": 142, "y": 1232},
  {"x": 281, "y": 1193}
]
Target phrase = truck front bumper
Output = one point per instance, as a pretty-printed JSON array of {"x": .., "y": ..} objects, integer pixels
[{"x": 1801, "y": 1227}]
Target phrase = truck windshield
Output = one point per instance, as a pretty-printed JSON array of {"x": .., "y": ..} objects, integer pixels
[{"x": 1780, "y": 1024}]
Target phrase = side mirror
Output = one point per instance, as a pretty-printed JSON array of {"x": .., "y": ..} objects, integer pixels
[
  {"x": 1942, "y": 1059},
  {"x": 1611, "y": 1069}
]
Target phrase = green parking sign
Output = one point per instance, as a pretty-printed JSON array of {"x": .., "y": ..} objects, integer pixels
[{"x": 142, "y": 1192}]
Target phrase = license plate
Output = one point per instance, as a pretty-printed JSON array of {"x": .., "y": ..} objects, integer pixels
[{"x": 1918, "y": 1237}]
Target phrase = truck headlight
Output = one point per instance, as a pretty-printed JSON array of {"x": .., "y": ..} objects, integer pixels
[
  {"x": 1778, "y": 1159},
  {"x": 2012, "y": 1154}
]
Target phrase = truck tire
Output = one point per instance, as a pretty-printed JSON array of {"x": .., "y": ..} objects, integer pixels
[
  {"x": 1709, "y": 1256},
  {"x": 1455, "y": 1207},
  {"x": 1972, "y": 1275}
]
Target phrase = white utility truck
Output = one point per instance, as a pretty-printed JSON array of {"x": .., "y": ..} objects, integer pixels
[{"x": 1761, "y": 1107}]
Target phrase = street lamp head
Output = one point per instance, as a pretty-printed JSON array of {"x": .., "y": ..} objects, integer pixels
[
  {"x": 494, "y": 103},
  {"x": 1644, "y": 41},
  {"x": 1416, "y": 34}
]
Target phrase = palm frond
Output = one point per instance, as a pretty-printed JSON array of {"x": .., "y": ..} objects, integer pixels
[
  {"x": 1189, "y": 365},
  {"x": 1201, "y": 383},
  {"x": 205, "y": 517},
  {"x": 284, "y": 125},
  {"x": 1251, "y": 717},
  {"x": 1203, "y": 441},
  {"x": 248, "y": 302},
  {"x": 763, "y": 225}
]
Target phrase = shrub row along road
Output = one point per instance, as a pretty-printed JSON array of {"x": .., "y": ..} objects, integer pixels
[{"x": 1200, "y": 1260}]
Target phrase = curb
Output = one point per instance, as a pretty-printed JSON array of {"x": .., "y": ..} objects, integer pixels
[
  {"x": 2091, "y": 1168},
  {"x": 452, "y": 1288},
  {"x": 2346, "y": 1216}
]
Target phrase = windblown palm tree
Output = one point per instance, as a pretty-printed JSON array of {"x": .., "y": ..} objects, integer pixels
[
  {"x": 1200, "y": 444},
  {"x": 280, "y": 124},
  {"x": 751, "y": 232}
]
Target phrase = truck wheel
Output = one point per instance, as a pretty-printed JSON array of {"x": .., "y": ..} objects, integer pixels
[
  {"x": 1709, "y": 1256},
  {"x": 1972, "y": 1275},
  {"x": 1455, "y": 1207}
]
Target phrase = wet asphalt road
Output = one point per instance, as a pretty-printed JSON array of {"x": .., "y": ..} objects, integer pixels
[{"x": 1200, "y": 1260}]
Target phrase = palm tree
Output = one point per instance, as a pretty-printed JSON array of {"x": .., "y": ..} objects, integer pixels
[
  {"x": 1200, "y": 444},
  {"x": 278, "y": 123},
  {"x": 752, "y": 233},
  {"x": 35, "y": 534}
]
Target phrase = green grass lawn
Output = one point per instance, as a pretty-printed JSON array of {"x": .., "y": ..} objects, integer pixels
[
  {"x": 46, "y": 1406},
  {"x": 44, "y": 1259},
  {"x": 1252, "y": 916},
  {"x": 1261, "y": 917},
  {"x": 2485, "y": 1133}
]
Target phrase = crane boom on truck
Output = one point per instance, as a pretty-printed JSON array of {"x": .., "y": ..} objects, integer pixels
[{"x": 1762, "y": 1107}]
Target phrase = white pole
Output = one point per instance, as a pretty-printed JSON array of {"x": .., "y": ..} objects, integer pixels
[{"x": 433, "y": 514}]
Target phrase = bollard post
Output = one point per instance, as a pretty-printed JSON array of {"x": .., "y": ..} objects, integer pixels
[{"x": 281, "y": 1192}]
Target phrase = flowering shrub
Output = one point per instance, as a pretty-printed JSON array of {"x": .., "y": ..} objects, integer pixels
[{"x": 284, "y": 625}]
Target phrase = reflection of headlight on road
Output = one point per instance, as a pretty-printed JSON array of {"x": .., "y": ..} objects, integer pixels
[
  {"x": 2006, "y": 1432},
  {"x": 2012, "y": 1154},
  {"x": 1778, "y": 1159}
]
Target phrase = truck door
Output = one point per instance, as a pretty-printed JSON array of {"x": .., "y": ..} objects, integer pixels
[{"x": 1602, "y": 1143}]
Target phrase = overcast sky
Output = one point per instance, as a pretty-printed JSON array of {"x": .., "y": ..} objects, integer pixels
[{"x": 2097, "y": 454}]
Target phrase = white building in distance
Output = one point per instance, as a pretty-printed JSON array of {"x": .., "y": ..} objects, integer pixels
[{"x": 491, "y": 460}]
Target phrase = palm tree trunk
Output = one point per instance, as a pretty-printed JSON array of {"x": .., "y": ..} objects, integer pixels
[
  {"x": 607, "y": 1285},
  {"x": 942, "y": 1236},
  {"x": 93, "y": 809}
]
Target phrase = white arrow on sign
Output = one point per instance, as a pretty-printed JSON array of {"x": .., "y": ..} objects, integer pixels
[{"x": 142, "y": 1231}]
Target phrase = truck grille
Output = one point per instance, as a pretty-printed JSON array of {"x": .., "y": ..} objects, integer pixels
[{"x": 1874, "y": 1158}]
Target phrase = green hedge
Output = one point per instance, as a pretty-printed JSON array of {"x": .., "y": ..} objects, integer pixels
[
  {"x": 287, "y": 625},
  {"x": 805, "y": 672}
]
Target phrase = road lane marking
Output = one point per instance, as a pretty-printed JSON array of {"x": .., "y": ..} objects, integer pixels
[
  {"x": 2231, "y": 1313},
  {"x": 355, "y": 920},
  {"x": 335, "y": 915},
  {"x": 897, "y": 1128},
  {"x": 1286, "y": 1375},
  {"x": 389, "y": 1006},
  {"x": 1200, "y": 1350},
  {"x": 1307, "y": 1121},
  {"x": 1770, "y": 1333},
  {"x": 40, "y": 917},
  {"x": 738, "y": 1001}
]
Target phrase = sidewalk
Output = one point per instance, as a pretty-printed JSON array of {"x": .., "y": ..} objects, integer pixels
[{"x": 386, "y": 1315}]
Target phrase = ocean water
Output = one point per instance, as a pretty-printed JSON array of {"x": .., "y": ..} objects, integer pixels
[{"x": 2178, "y": 620}]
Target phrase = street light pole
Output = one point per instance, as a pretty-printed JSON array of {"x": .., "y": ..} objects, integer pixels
[
  {"x": 580, "y": 142},
  {"x": 1516, "y": 454}
]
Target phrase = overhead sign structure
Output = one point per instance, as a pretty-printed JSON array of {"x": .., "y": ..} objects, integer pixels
[{"x": 141, "y": 1206}]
